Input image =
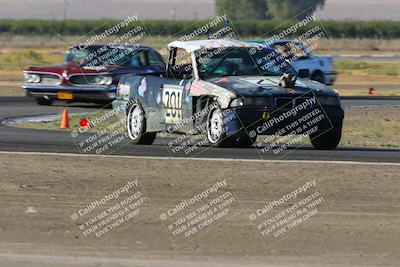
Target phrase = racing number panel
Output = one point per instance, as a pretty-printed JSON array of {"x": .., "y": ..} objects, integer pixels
[{"x": 172, "y": 100}]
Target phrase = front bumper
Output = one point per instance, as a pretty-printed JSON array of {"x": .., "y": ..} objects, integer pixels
[
  {"x": 81, "y": 93},
  {"x": 269, "y": 121}
]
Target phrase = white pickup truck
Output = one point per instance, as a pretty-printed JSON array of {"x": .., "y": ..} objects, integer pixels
[{"x": 300, "y": 57}]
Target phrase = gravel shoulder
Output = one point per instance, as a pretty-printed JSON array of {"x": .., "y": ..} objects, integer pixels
[{"x": 358, "y": 225}]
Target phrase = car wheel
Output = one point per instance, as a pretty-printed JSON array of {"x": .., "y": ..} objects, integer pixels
[
  {"x": 318, "y": 76},
  {"x": 246, "y": 141},
  {"x": 216, "y": 128},
  {"x": 43, "y": 101},
  {"x": 136, "y": 125},
  {"x": 326, "y": 141}
]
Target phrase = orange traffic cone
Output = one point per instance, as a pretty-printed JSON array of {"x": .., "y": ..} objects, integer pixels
[
  {"x": 64, "y": 120},
  {"x": 372, "y": 91}
]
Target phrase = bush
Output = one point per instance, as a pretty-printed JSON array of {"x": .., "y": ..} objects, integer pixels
[{"x": 333, "y": 29}]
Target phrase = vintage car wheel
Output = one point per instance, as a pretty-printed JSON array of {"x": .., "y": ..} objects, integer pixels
[
  {"x": 327, "y": 141},
  {"x": 215, "y": 128},
  {"x": 43, "y": 101},
  {"x": 136, "y": 125}
]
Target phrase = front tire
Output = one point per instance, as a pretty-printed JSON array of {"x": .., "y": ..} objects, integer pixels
[
  {"x": 246, "y": 141},
  {"x": 43, "y": 101},
  {"x": 327, "y": 141},
  {"x": 216, "y": 128},
  {"x": 136, "y": 125}
]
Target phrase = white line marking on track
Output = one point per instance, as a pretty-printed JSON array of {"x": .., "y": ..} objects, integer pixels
[{"x": 204, "y": 159}]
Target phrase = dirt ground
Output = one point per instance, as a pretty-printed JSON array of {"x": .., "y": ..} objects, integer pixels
[{"x": 358, "y": 223}]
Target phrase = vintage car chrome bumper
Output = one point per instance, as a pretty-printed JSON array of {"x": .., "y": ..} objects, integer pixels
[{"x": 95, "y": 93}]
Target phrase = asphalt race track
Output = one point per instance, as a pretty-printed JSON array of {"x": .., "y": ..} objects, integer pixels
[{"x": 30, "y": 140}]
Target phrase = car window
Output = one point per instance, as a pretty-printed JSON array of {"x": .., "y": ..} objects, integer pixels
[
  {"x": 182, "y": 67},
  {"x": 122, "y": 56},
  {"x": 155, "y": 59},
  {"x": 138, "y": 59},
  {"x": 239, "y": 62},
  {"x": 291, "y": 51},
  {"x": 76, "y": 54}
]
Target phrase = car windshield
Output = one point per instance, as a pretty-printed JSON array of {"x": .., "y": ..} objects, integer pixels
[
  {"x": 241, "y": 62},
  {"x": 77, "y": 54},
  {"x": 291, "y": 50},
  {"x": 121, "y": 56}
]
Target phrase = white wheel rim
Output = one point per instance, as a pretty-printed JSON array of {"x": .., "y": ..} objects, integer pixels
[
  {"x": 134, "y": 122},
  {"x": 215, "y": 126}
]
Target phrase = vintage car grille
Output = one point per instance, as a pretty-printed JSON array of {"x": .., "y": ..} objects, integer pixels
[
  {"x": 82, "y": 79},
  {"x": 50, "y": 79}
]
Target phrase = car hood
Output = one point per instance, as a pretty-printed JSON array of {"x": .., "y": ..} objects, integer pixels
[
  {"x": 76, "y": 68},
  {"x": 269, "y": 86}
]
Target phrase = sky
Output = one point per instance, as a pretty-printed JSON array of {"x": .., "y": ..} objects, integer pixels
[{"x": 179, "y": 9}]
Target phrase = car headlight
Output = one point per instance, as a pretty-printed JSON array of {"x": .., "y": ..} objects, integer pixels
[
  {"x": 237, "y": 102},
  {"x": 32, "y": 78},
  {"x": 329, "y": 100},
  {"x": 103, "y": 80},
  {"x": 255, "y": 101}
]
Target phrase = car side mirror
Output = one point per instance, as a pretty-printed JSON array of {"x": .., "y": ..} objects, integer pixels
[{"x": 304, "y": 73}]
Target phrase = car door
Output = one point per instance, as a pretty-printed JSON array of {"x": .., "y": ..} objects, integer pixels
[
  {"x": 177, "y": 100},
  {"x": 177, "y": 106}
]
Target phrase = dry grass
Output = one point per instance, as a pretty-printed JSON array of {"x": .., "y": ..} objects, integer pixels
[
  {"x": 359, "y": 46},
  {"x": 352, "y": 67},
  {"x": 10, "y": 76},
  {"x": 372, "y": 127},
  {"x": 17, "y": 60}
]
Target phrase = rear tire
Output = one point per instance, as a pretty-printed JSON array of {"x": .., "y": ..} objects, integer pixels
[
  {"x": 43, "y": 101},
  {"x": 327, "y": 141},
  {"x": 136, "y": 125}
]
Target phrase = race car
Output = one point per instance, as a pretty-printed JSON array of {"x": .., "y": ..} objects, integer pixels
[
  {"x": 90, "y": 73},
  {"x": 300, "y": 57},
  {"x": 231, "y": 91}
]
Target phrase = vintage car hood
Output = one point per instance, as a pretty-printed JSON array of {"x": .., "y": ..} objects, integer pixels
[
  {"x": 75, "y": 68},
  {"x": 268, "y": 86}
]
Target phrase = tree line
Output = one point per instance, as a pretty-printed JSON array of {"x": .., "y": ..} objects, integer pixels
[
  {"x": 244, "y": 28},
  {"x": 268, "y": 9}
]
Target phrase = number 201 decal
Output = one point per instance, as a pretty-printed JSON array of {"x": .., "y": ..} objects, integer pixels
[{"x": 172, "y": 99}]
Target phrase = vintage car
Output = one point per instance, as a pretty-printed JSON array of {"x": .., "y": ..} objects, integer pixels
[
  {"x": 90, "y": 74},
  {"x": 230, "y": 91},
  {"x": 300, "y": 57}
]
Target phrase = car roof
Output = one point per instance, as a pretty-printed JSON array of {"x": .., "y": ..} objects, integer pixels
[
  {"x": 116, "y": 46},
  {"x": 191, "y": 46},
  {"x": 284, "y": 42},
  {"x": 274, "y": 42}
]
